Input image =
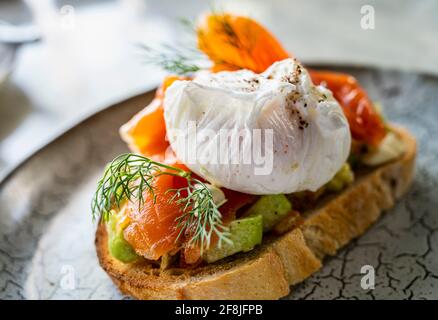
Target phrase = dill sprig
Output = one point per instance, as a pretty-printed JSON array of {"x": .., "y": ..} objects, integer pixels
[
  {"x": 197, "y": 199},
  {"x": 187, "y": 59},
  {"x": 187, "y": 23},
  {"x": 129, "y": 176},
  {"x": 181, "y": 61}
]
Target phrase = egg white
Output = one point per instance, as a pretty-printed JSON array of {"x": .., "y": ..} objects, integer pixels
[{"x": 310, "y": 135}]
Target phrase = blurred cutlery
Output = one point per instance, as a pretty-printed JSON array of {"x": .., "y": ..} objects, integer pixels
[{"x": 18, "y": 34}]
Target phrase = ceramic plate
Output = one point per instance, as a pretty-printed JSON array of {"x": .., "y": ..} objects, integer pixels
[{"x": 46, "y": 231}]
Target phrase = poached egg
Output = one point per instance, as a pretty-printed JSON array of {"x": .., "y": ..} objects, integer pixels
[{"x": 269, "y": 133}]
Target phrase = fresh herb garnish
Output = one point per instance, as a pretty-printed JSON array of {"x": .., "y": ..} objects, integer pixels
[
  {"x": 201, "y": 217},
  {"x": 174, "y": 59},
  {"x": 129, "y": 176},
  {"x": 188, "y": 58}
]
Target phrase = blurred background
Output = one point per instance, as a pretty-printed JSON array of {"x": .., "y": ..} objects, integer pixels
[{"x": 61, "y": 61}]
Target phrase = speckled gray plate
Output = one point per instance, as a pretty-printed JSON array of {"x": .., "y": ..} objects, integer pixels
[{"x": 46, "y": 232}]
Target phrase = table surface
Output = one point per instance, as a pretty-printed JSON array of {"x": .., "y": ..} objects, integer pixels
[{"x": 88, "y": 58}]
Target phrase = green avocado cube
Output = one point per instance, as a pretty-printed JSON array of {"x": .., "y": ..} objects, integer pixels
[
  {"x": 245, "y": 234},
  {"x": 118, "y": 247},
  {"x": 341, "y": 180},
  {"x": 121, "y": 249},
  {"x": 273, "y": 208}
]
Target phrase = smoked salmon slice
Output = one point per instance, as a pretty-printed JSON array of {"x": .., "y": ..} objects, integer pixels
[
  {"x": 236, "y": 42},
  {"x": 366, "y": 125},
  {"x": 145, "y": 133},
  {"x": 152, "y": 230}
]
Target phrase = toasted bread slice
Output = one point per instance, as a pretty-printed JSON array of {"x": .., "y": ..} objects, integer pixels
[{"x": 268, "y": 271}]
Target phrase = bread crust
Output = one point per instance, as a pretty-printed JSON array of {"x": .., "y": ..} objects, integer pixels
[{"x": 268, "y": 271}]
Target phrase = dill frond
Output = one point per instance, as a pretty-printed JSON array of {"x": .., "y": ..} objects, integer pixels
[
  {"x": 172, "y": 58},
  {"x": 129, "y": 176}
]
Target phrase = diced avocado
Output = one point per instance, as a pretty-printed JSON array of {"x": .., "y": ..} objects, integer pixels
[
  {"x": 121, "y": 249},
  {"x": 245, "y": 234},
  {"x": 273, "y": 208},
  {"x": 118, "y": 247},
  {"x": 342, "y": 178}
]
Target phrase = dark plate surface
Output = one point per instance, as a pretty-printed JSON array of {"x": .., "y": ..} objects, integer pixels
[{"x": 47, "y": 236}]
